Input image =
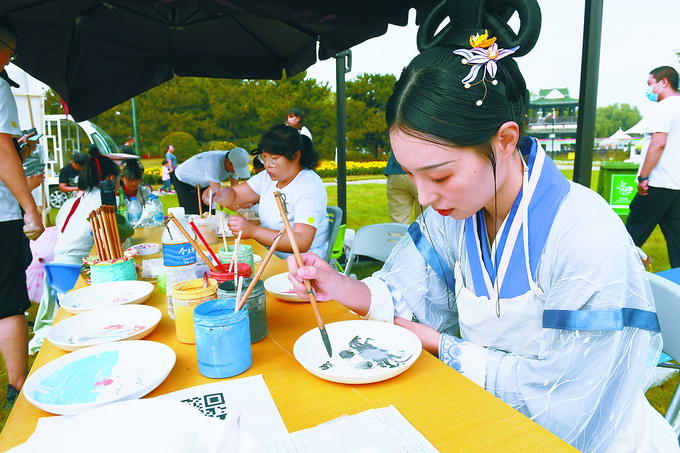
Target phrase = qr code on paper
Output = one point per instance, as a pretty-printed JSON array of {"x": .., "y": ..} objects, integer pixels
[{"x": 211, "y": 405}]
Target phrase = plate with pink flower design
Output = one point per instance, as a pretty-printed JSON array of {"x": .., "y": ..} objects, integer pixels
[{"x": 104, "y": 325}]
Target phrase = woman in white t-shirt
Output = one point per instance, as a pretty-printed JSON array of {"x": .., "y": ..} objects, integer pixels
[
  {"x": 74, "y": 233},
  {"x": 289, "y": 160}
]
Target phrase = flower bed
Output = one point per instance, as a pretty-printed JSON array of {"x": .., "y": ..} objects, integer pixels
[{"x": 326, "y": 169}]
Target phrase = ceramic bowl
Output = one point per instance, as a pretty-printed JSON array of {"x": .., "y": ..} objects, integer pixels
[
  {"x": 279, "y": 286},
  {"x": 147, "y": 249},
  {"x": 106, "y": 295},
  {"x": 363, "y": 351},
  {"x": 104, "y": 325},
  {"x": 98, "y": 375}
]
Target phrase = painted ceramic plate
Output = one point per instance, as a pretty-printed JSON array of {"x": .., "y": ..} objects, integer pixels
[
  {"x": 279, "y": 286},
  {"x": 104, "y": 325},
  {"x": 363, "y": 351},
  {"x": 99, "y": 375},
  {"x": 147, "y": 249},
  {"x": 106, "y": 295}
]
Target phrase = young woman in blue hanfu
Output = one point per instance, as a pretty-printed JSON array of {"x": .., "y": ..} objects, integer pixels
[{"x": 523, "y": 281}]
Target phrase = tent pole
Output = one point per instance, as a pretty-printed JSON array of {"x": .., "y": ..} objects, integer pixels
[
  {"x": 138, "y": 146},
  {"x": 343, "y": 64},
  {"x": 587, "y": 102}
]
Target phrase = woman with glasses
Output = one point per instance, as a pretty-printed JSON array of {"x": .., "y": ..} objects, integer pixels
[{"x": 289, "y": 160}]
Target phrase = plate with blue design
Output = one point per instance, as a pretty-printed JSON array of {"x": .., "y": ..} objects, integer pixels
[
  {"x": 98, "y": 375},
  {"x": 363, "y": 351}
]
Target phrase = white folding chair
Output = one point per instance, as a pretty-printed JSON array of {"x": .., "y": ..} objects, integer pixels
[
  {"x": 375, "y": 241},
  {"x": 667, "y": 300}
]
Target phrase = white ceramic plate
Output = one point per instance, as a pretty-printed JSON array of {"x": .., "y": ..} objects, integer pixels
[
  {"x": 363, "y": 351},
  {"x": 147, "y": 249},
  {"x": 279, "y": 286},
  {"x": 104, "y": 325},
  {"x": 99, "y": 375},
  {"x": 106, "y": 295}
]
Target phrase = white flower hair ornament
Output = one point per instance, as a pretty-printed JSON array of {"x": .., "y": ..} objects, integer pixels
[{"x": 484, "y": 52}]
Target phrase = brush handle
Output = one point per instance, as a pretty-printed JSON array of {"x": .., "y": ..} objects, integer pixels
[
  {"x": 265, "y": 261},
  {"x": 200, "y": 236}
]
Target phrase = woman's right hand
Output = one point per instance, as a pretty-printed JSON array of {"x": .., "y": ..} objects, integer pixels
[
  {"x": 326, "y": 281},
  {"x": 223, "y": 196}
]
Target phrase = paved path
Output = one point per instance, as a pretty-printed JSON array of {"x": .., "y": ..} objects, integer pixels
[{"x": 362, "y": 181}]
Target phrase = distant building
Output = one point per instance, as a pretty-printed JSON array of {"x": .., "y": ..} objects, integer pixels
[{"x": 552, "y": 119}]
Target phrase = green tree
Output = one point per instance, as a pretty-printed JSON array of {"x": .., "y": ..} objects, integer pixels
[
  {"x": 611, "y": 117},
  {"x": 185, "y": 145},
  {"x": 366, "y": 126},
  {"x": 239, "y": 111}
]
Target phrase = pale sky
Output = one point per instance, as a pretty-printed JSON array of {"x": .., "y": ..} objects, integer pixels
[{"x": 637, "y": 36}]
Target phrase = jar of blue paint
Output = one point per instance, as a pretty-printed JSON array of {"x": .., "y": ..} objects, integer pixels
[{"x": 222, "y": 339}]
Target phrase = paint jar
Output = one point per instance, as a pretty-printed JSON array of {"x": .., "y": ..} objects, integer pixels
[
  {"x": 186, "y": 296},
  {"x": 245, "y": 255},
  {"x": 244, "y": 270},
  {"x": 207, "y": 227},
  {"x": 113, "y": 271},
  {"x": 222, "y": 339},
  {"x": 256, "y": 303}
]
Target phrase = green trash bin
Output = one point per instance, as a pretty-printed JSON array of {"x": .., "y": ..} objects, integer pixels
[{"x": 617, "y": 183}]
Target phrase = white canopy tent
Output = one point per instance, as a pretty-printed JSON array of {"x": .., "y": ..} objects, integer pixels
[{"x": 639, "y": 128}]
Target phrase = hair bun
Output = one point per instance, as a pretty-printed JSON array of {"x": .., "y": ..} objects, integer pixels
[
  {"x": 93, "y": 151},
  {"x": 469, "y": 17}
]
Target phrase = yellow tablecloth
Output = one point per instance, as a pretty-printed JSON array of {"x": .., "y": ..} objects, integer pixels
[{"x": 453, "y": 413}]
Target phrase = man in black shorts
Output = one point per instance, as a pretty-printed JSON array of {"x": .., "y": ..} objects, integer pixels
[{"x": 15, "y": 228}]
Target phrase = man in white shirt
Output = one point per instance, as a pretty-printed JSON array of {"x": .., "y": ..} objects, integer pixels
[
  {"x": 658, "y": 199},
  {"x": 15, "y": 227},
  {"x": 209, "y": 169}
]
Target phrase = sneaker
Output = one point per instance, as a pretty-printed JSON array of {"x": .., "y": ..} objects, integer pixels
[{"x": 12, "y": 394}]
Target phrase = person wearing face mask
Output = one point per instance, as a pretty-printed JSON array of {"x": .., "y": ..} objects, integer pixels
[
  {"x": 507, "y": 273},
  {"x": 658, "y": 199}
]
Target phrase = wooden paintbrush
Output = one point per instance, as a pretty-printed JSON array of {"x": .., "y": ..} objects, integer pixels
[
  {"x": 265, "y": 261},
  {"x": 308, "y": 285}
]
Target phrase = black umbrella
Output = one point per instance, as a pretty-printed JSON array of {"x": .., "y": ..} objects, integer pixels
[{"x": 96, "y": 54}]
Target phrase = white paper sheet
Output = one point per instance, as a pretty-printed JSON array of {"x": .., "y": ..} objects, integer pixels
[
  {"x": 374, "y": 430},
  {"x": 249, "y": 396}
]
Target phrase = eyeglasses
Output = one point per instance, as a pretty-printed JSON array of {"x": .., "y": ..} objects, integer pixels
[
  {"x": 271, "y": 161},
  {"x": 14, "y": 52}
]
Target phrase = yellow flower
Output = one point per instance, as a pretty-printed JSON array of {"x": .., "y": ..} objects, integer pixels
[{"x": 481, "y": 40}]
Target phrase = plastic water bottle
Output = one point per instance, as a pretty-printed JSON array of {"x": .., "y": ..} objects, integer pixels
[
  {"x": 155, "y": 208},
  {"x": 134, "y": 210},
  {"x": 179, "y": 256}
]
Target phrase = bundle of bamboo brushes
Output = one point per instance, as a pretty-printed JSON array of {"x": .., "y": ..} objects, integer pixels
[{"x": 105, "y": 232}]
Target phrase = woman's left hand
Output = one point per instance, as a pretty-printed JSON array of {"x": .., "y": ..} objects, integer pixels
[{"x": 428, "y": 336}]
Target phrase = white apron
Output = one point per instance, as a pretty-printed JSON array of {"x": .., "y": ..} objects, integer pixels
[
  {"x": 521, "y": 317},
  {"x": 515, "y": 324}
]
